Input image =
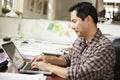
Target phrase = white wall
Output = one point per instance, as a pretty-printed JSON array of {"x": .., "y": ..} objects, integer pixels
[
  {"x": 110, "y": 29},
  {"x": 41, "y": 30},
  {"x": 8, "y": 27},
  {"x": 38, "y": 29}
]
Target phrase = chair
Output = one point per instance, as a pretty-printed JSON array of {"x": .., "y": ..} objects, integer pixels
[{"x": 116, "y": 43}]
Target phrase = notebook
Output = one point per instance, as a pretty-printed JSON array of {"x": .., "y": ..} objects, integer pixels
[{"x": 23, "y": 67}]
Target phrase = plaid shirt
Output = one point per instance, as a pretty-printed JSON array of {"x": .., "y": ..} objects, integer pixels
[{"x": 92, "y": 60}]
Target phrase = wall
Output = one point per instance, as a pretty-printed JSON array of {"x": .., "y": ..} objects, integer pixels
[
  {"x": 54, "y": 31},
  {"x": 8, "y": 27},
  {"x": 41, "y": 29},
  {"x": 110, "y": 30},
  {"x": 62, "y": 9},
  {"x": 37, "y": 29}
]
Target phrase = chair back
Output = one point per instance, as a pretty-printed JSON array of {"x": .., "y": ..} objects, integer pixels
[{"x": 116, "y": 43}]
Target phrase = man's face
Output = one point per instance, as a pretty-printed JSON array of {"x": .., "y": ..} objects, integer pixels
[{"x": 78, "y": 25}]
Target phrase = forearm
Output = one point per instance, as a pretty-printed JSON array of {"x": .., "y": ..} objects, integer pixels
[
  {"x": 57, "y": 61},
  {"x": 60, "y": 71}
]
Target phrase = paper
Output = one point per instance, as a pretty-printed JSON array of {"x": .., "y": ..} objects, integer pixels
[
  {"x": 16, "y": 76},
  {"x": 36, "y": 48}
]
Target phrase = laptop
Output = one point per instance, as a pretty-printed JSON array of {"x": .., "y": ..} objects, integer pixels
[{"x": 23, "y": 67}]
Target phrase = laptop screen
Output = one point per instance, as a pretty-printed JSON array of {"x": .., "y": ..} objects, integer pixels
[{"x": 14, "y": 54}]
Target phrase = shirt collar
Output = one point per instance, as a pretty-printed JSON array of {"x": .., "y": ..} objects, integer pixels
[{"x": 95, "y": 37}]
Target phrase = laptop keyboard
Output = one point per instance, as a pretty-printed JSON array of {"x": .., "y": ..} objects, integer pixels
[{"x": 28, "y": 67}]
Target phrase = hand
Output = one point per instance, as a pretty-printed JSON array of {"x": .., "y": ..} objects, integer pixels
[
  {"x": 40, "y": 66},
  {"x": 39, "y": 58}
]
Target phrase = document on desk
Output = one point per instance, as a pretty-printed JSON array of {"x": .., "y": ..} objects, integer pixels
[
  {"x": 16, "y": 76},
  {"x": 37, "y": 48}
]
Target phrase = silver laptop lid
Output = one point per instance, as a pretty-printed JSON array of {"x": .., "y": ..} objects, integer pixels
[{"x": 11, "y": 50}]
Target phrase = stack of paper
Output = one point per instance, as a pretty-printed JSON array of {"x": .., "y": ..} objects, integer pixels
[{"x": 15, "y": 76}]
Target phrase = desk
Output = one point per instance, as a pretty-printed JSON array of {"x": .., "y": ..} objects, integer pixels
[
  {"x": 37, "y": 47},
  {"x": 10, "y": 68},
  {"x": 32, "y": 47}
]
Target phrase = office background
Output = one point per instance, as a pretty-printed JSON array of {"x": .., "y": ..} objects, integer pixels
[{"x": 34, "y": 16}]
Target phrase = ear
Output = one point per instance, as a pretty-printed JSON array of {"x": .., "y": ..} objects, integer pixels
[{"x": 89, "y": 19}]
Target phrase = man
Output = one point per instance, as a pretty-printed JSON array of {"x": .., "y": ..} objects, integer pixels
[{"x": 92, "y": 56}]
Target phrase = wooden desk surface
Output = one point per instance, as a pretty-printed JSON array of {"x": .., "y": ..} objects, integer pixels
[{"x": 12, "y": 69}]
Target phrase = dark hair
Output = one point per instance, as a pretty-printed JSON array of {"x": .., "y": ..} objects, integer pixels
[{"x": 85, "y": 9}]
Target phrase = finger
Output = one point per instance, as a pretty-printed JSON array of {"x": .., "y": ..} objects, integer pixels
[
  {"x": 34, "y": 59},
  {"x": 34, "y": 65}
]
